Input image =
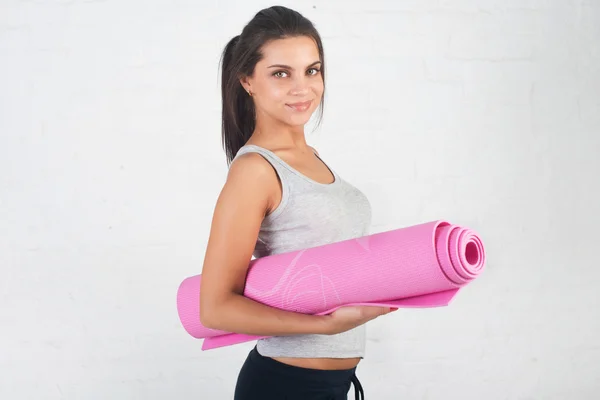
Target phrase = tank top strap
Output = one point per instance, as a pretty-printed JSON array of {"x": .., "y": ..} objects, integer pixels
[
  {"x": 287, "y": 172},
  {"x": 275, "y": 161}
]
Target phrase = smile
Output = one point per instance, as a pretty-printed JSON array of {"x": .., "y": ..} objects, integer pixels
[{"x": 300, "y": 106}]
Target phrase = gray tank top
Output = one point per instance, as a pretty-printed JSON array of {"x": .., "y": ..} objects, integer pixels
[{"x": 311, "y": 214}]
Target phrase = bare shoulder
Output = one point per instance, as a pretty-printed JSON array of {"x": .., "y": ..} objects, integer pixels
[
  {"x": 250, "y": 179},
  {"x": 313, "y": 149},
  {"x": 250, "y": 166}
]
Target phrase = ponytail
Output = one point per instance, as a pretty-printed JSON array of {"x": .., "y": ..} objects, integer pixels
[{"x": 238, "y": 114}]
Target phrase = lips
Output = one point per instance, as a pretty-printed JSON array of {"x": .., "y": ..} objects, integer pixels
[{"x": 303, "y": 106}]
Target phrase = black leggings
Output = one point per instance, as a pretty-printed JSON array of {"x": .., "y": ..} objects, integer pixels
[{"x": 263, "y": 378}]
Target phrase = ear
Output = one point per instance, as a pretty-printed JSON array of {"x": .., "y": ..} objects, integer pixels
[{"x": 245, "y": 82}]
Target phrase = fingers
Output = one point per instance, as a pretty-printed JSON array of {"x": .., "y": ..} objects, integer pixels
[
  {"x": 387, "y": 310},
  {"x": 381, "y": 311}
]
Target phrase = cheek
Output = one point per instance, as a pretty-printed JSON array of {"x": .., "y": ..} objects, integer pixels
[
  {"x": 279, "y": 93},
  {"x": 274, "y": 92},
  {"x": 318, "y": 87}
]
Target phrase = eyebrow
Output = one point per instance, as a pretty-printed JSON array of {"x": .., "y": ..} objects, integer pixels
[{"x": 288, "y": 67}]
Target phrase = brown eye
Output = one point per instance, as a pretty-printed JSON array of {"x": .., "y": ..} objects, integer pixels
[
  {"x": 278, "y": 74},
  {"x": 316, "y": 71}
]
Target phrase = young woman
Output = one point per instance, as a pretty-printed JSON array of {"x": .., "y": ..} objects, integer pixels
[{"x": 279, "y": 196}]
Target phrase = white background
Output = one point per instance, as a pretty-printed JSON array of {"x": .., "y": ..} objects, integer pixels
[{"x": 484, "y": 113}]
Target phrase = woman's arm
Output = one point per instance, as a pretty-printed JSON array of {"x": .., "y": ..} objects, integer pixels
[{"x": 242, "y": 204}]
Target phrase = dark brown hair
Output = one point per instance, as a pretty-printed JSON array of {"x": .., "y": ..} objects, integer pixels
[{"x": 239, "y": 59}]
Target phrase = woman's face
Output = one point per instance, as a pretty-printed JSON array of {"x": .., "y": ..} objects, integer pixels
[{"x": 287, "y": 84}]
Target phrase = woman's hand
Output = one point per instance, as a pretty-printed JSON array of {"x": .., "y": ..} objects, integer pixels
[{"x": 346, "y": 318}]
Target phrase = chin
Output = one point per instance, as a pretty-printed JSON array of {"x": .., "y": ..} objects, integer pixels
[{"x": 297, "y": 120}]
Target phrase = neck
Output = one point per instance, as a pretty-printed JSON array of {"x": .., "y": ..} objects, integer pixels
[{"x": 275, "y": 134}]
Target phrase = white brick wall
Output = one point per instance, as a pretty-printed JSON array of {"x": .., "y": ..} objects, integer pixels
[{"x": 486, "y": 113}]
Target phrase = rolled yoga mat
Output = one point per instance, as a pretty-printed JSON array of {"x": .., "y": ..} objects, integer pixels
[{"x": 423, "y": 265}]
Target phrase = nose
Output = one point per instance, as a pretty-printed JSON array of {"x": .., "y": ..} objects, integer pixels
[{"x": 300, "y": 86}]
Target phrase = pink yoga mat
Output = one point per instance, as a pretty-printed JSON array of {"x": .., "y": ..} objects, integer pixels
[{"x": 423, "y": 265}]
